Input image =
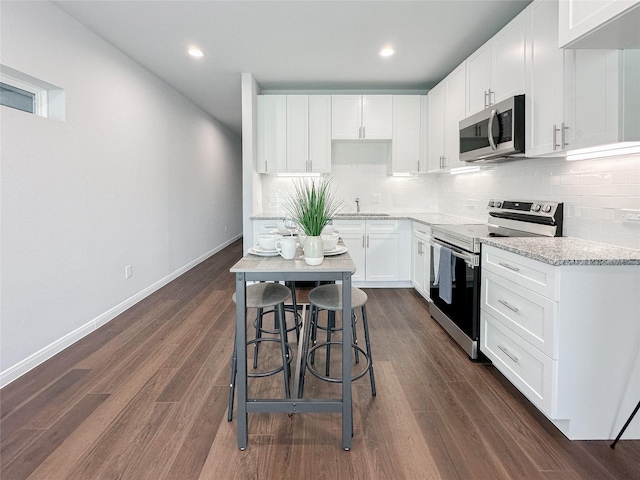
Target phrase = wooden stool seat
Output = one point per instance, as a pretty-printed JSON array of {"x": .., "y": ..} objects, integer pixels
[{"x": 329, "y": 297}]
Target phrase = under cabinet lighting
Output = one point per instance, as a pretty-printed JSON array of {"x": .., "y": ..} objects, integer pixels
[
  {"x": 459, "y": 170},
  {"x": 401, "y": 174},
  {"x": 298, "y": 174},
  {"x": 387, "y": 52},
  {"x": 623, "y": 148}
]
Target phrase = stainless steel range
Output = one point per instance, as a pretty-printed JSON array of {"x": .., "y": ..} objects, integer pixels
[{"x": 455, "y": 261}]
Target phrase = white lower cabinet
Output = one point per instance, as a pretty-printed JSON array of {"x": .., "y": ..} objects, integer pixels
[
  {"x": 567, "y": 337},
  {"x": 263, "y": 227},
  {"x": 374, "y": 246},
  {"x": 421, "y": 259}
]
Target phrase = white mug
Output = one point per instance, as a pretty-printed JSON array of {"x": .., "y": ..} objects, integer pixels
[{"x": 286, "y": 247}]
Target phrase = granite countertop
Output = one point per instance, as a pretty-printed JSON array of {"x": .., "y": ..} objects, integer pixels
[
  {"x": 566, "y": 250},
  {"x": 425, "y": 218}
]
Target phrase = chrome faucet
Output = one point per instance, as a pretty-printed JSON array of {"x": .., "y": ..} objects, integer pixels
[{"x": 358, "y": 205}]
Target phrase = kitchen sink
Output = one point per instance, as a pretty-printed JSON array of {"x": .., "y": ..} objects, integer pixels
[{"x": 362, "y": 215}]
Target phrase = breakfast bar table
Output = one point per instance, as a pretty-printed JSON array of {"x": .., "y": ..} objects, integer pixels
[{"x": 257, "y": 268}]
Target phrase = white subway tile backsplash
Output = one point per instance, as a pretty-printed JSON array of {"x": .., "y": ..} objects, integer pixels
[{"x": 594, "y": 191}]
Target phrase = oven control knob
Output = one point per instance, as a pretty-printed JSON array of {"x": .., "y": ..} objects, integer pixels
[
  {"x": 498, "y": 204},
  {"x": 535, "y": 207},
  {"x": 491, "y": 203},
  {"x": 546, "y": 209}
]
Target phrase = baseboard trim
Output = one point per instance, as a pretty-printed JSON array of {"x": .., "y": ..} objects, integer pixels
[{"x": 15, "y": 371}]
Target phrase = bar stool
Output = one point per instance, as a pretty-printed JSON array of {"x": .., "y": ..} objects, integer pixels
[
  {"x": 329, "y": 297},
  {"x": 260, "y": 329},
  {"x": 261, "y": 296}
]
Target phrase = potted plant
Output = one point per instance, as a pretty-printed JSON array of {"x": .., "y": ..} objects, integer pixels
[{"x": 312, "y": 205}]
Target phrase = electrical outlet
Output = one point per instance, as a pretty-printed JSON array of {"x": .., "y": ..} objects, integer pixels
[
  {"x": 226, "y": 229},
  {"x": 631, "y": 217},
  {"x": 127, "y": 271},
  {"x": 375, "y": 198}
]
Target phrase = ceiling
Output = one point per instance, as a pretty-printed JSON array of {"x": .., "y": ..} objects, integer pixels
[{"x": 294, "y": 45}]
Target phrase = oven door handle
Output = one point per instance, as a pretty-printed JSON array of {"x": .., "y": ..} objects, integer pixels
[{"x": 471, "y": 259}]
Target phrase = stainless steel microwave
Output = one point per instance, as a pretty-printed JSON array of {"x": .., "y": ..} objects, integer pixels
[{"x": 494, "y": 134}]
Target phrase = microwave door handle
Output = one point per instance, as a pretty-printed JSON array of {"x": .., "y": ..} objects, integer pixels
[{"x": 494, "y": 112}]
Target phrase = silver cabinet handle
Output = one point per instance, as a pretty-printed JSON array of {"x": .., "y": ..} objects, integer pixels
[
  {"x": 491, "y": 92},
  {"x": 510, "y": 307},
  {"x": 367, "y": 241},
  {"x": 486, "y": 103},
  {"x": 563, "y": 136},
  {"x": 363, "y": 241},
  {"x": 506, "y": 265},
  {"x": 508, "y": 353},
  {"x": 555, "y": 138}
]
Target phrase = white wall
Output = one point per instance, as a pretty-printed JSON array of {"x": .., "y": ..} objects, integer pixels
[
  {"x": 135, "y": 175},
  {"x": 594, "y": 193}
]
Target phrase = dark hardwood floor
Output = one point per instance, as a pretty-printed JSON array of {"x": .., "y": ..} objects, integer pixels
[{"x": 145, "y": 397}]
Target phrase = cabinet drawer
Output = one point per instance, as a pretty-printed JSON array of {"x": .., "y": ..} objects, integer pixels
[
  {"x": 537, "y": 276},
  {"x": 530, "y": 370},
  {"x": 421, "y": 230},
  {"x": 382, "y": 226},
  {"x": 528, "y": 314}
]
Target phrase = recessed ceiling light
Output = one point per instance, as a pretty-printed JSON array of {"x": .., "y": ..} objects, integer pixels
[
  {"x": 196, "y": 52},
  {"x": 387, "y": 52}
]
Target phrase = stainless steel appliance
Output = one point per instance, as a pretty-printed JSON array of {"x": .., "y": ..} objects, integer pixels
[
  {"x": 495, "y": 133},
  {"x": 458, "y": 310}
]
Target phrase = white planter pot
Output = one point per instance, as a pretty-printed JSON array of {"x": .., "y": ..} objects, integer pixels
[{"x": 313, "y": 251}]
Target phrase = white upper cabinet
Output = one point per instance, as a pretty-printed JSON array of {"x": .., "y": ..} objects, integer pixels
[
  {"x": 297, "y": 133},
  {"x": 358, "y": 117},
  {"x": 602, "y": 98},
  {"x": 319, "y": 133},
  {"x": 496, "y": 71},
  {"x": 294, "y": 133},
  {"x": 599, "y": 24},
  {"x": 446, "y": 107},
  {"x": 408, "y": 134},
  {"x": 576, "y": 98},
  {"x": 544, "y": 92},
  {"x": 272, "y": 133}
]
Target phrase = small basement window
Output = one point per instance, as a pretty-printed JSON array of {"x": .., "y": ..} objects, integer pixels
[
  {"x": 28, "y": 94},
  {"x": 17, "y": 98}
]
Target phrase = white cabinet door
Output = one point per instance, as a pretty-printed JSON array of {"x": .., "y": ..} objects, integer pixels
[
  {"x": 478, "y": 67},
  {"x": 598, "y": 24},
  {"x": 435, "y": 147},
  {"x": 297, "y": 133},
  {"x": 509, "y": 61},
  {"x": 597, "y": 112},
  {"x": 454, "y": 111},
  {"x": 320, "y": 133},
  {"x": 417, "y": 263},
  {"x": 263, "y": 227},
  {"x": 355, "y": 242},
  {"x": 496, "y": 70},
  {"x": 272, "y": 133},
  {"x": 544, "y": 92},
  {"x": 424, "y": 134},
  {"x": 407, "y": 134},
  {"x": 346, "y": 117},
  {"x": 382, "y": 257},
  {"x": 377, "y": 117},
  {"x": 355, "y": 117}
]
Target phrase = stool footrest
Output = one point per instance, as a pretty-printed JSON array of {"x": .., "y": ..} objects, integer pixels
[{"x": 315, "y": 373}]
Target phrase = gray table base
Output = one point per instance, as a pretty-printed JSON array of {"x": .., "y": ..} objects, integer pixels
[{"x": 295, "y": 405}]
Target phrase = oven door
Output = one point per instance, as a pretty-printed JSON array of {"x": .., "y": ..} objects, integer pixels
[{"x": 464, "y": 310}]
